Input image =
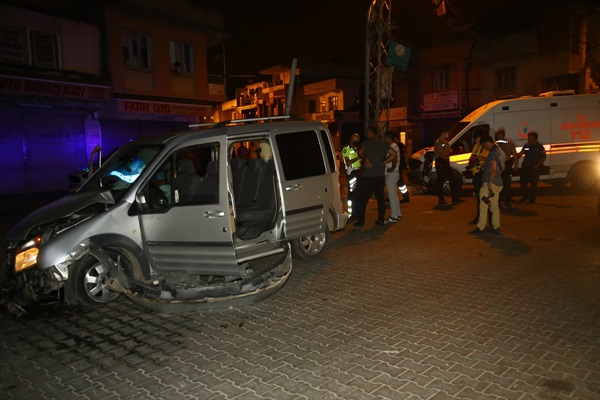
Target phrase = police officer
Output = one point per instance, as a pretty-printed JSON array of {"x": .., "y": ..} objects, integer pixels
[
  {"x": 352, "y": 164},
  {"x": 535, "y": 155}
]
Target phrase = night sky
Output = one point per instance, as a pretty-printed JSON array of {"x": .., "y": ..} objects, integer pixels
[{"x": 273, "y": 32}]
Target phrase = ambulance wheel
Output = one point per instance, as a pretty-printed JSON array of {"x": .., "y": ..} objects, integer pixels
[
  {"x": 310, "y": 247},
  {"x": 90, "y": 278},
  {"x": 583, "y": 176}
]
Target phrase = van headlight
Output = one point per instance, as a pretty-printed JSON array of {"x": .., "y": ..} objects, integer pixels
[{"x": 27, "y": 254}]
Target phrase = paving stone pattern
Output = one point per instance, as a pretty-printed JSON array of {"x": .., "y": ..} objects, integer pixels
[{"x": 412, "y": 310}]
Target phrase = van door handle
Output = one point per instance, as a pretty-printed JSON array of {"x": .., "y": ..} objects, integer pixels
[
  {"x": 293, "y": 187},
  {"x": 214, "y": 214}
]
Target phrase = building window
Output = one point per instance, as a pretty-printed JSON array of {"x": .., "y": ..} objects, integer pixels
[
  {"x": 333, "y": 103},
  {"x": 44, "y": 49},
  {"x": 441, "y": 78},
  {"x": 323, "y": 104},
  {"x": 136, "y": 50},
  {"x": 505, "y": 80},
  {"x": 12, "y": 45},
  {"x": 182, "y": 58}
]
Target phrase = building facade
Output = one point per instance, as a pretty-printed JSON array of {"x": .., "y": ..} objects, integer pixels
[
  {"x": 115, "y": 73},
  {"x": 557, "y": 49}
]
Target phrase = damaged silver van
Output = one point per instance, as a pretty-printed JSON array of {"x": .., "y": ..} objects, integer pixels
[{"x": 184, "y": 221}]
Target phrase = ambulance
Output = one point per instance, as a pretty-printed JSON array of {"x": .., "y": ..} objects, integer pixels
[{"x": 568, "y": 126}]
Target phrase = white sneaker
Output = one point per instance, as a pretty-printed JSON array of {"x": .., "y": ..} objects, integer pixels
[{"x": 391, "y": 220}]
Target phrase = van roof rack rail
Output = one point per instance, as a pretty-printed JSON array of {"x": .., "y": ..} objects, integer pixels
[
  {"x": 247, "y": 120},
  {"x": 555, "y": 93}
]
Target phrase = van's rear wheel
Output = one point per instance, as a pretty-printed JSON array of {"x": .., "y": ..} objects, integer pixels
[
  {"x": 309, "y": 247},
  {"x": 89, "y": 283}
]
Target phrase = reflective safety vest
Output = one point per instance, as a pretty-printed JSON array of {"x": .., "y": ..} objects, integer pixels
[{"x": 349, "y": 152}]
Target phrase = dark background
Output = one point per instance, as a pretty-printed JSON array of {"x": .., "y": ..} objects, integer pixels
[{"x": 269, "y": 32}]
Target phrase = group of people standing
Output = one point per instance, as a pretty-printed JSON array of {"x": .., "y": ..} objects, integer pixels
[
  {"x": 372, "y": 167},
  {"x": 376, "y": 165},
  {"x": 494, "y": 161}
]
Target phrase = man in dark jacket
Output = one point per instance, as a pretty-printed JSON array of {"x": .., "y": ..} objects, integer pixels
[
  {"x": 535, "y": 155},
  {"x": 374, "y": 154}
]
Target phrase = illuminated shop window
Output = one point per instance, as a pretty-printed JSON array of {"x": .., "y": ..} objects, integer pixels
[
  {"x": 182, "y": 58},
  {"x": 333, "y": 103},
  {"x": 136, "y": 50}
]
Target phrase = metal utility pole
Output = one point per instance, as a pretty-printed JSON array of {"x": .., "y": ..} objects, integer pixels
[{"x": 378, "y": 76}]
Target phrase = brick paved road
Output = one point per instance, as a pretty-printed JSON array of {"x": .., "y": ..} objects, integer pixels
[{"x": 415, "y": 310}]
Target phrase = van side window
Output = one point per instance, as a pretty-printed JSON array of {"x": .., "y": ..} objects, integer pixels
[
  {"x": 197, "y": 175},
  {"x": 328, "y": 150},
  {"x": 300, "y": 154},
  {"x": 160, "y": 187}
]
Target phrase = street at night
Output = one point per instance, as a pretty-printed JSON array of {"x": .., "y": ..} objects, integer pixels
[{"x": 418, "y": 309}]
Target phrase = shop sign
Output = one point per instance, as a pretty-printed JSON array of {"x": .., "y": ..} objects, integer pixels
[
  {"x": 13, "y": 85},
  {"x": 151, "y": 107}
]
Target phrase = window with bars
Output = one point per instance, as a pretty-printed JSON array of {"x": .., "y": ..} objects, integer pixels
[
  {"x": 505, "y": 79},
  {"x": 13, "y": 49},
  {"x": 137, "y": 50},
  {"x": 29, "y": 47},
  {"x": 44, "y": 49},
  {"x": 333, "y": 103},
  {"x": 441, "y": 78},
  {"x": 182, "y": 58}
]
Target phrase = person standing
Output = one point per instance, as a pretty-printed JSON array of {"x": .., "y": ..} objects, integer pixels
[
  {"x": 352, "y": 164},
  {"x": 374, "y": 154},
  {"x": 402, "y": 167},
  {"x": 509, "y": 149},
  {"x": 535, "y": 155},
  {"x": 442, "y": 152},
  {"x": 478, "y": 156},
  {"x": 490, "y": 189},
  {"x": 391, "y": 179}
]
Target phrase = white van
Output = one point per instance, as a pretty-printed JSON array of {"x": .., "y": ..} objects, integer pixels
[
  {"x": 180, "y": 223},
  {"x": 568, "y": 126}
]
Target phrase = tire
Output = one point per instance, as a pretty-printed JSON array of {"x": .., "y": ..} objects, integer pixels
[
  {"x": 311, "y": 247},
  {"x": 583, "y": 177},
  {"x": 88, "y": 283}
]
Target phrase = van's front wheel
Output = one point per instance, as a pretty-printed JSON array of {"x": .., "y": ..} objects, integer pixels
[
  {"x": 88, "y": 283},
  {"x": 309, "y": 247}
]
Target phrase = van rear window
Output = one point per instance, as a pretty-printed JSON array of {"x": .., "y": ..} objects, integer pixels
[{"x": 301, "y": 155}]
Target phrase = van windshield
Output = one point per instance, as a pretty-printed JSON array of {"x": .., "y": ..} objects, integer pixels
[
  {"x": 456, "y": 129},
  {"x": 121, "y": 170}
]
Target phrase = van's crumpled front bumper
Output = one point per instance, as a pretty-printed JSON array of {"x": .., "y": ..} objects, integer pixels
[{"x": 29, "y": 287}]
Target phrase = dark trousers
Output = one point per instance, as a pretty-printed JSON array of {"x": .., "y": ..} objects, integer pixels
[
  {"x": 530, "y": 177},
  {"x": 477, "y": 183},
  {"x": 506, "y": 194},
  {"x": 444, "y": 173},
  {"x": 352, "y": 189},
  {"x": 368, "y": 186}
]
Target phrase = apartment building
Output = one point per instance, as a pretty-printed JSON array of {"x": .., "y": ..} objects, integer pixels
[
  {"x": 74, "y": 76},
  {"x": 556, "y": 49}
]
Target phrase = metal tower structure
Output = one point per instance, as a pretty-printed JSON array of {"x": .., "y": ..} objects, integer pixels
[{"x": 378, "y": 76}]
